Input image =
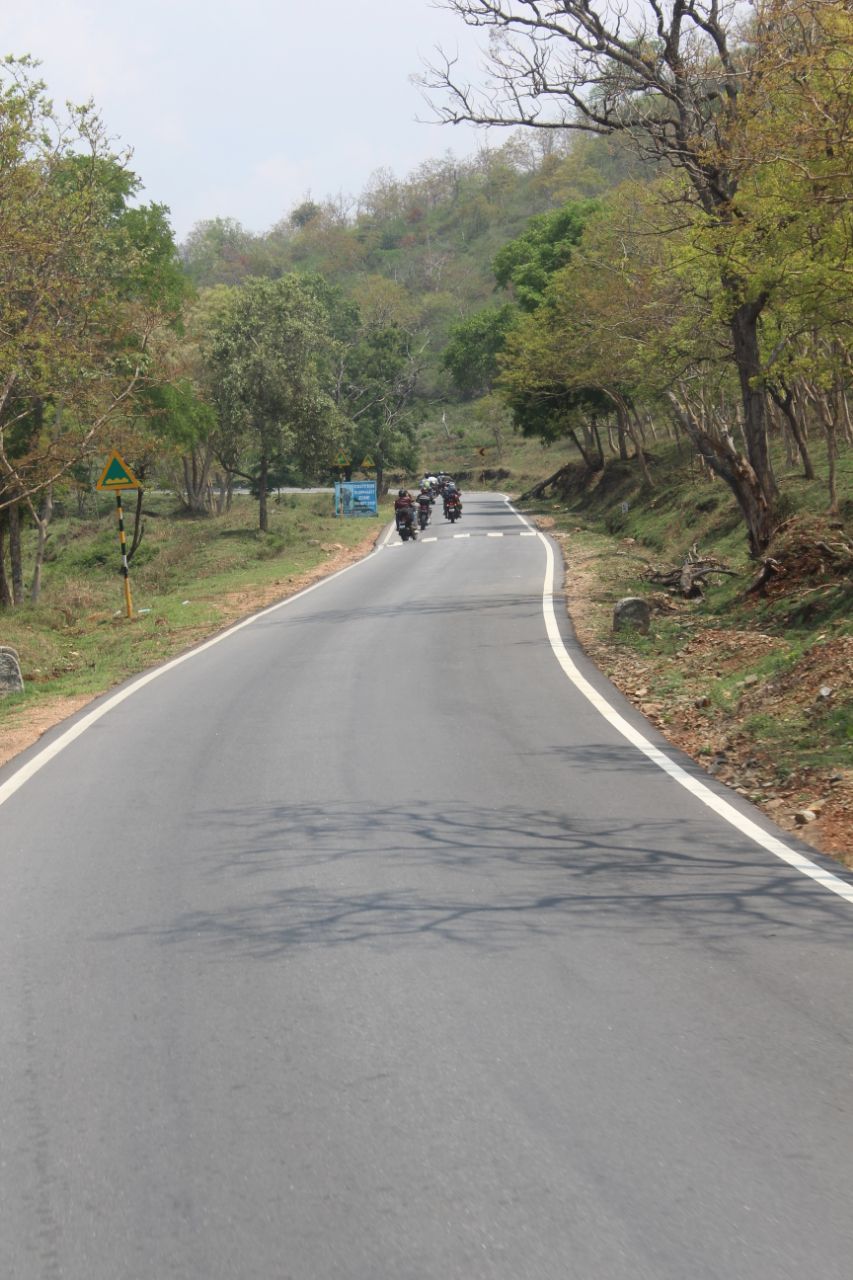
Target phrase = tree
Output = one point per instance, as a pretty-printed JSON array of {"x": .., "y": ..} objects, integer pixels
[
  {"x": 471, "y": 354},
  {"x": 527, "y": 263},
  {"x": 84, "y": 283},
  {"x": 218, "y": 251},
  {"x": 377, "y": 389},
  {"x": 269, "y": 353},
  {"x": 670, "y": 77}
]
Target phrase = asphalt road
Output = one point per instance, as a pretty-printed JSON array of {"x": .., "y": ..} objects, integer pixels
[{"x": 359, "y": 945}]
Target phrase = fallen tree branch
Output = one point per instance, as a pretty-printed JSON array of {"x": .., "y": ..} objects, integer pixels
[
  {"x": 687, "y": 579},
  {"x": 538, "y": 489}
]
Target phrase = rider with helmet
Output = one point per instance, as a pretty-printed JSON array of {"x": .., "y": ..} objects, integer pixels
[
  {"x": 404, "y": 508},
  {"x": 452, "y": 494},
  {"x": 425, "y": 501}
]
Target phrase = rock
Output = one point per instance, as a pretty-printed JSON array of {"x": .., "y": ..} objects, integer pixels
[
  {"x": 804, "y": 816},
  {"x": 704, "y": 701},
  {"x": 11, "y": 680},
  {"x": 775, "y": 803},
  {"x": 641, "y": 693},
  {"x": 750, "y": 680},
  {"x": 825, "y": 692},
  {"x": 633, "y": 612}
]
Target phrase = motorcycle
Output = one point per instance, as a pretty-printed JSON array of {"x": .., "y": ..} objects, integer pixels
[
  {"x": 406, "y": 525},
  {"x": 452, "y": 508},
  {"x": 423, "y": 515}
]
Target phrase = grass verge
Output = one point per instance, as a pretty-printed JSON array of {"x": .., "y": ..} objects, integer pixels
[{"x": 190, "y": 578}]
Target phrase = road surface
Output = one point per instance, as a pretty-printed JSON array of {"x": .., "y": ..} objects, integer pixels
[{"x": 361, "y": 946}]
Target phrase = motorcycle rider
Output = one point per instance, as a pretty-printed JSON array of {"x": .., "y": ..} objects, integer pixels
[
  {"x": 404, "y": 509},
  {"x": 453, "y": 494},
  {"x": 425, "y": 501}
]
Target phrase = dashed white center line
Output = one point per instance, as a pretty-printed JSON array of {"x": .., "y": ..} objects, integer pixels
[
  {"x": 527, "y": 535},
  {"x": 494, "y": 535},
  {"x": 429, "y": 539},
  {"x": 462, "y": 535}
]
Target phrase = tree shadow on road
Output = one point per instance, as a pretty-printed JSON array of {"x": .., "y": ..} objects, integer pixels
[{"x": 331, "y": 875}]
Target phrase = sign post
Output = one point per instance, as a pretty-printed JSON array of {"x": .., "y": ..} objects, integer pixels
[{"x": 116, "y": 476}]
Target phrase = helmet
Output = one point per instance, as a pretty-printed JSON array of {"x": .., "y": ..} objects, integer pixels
[{"x": 402, "y": 493}]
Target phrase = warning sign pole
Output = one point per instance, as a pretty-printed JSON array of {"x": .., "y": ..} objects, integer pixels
[
  {"x": 125, "y": 567},
  {"x": 116, "y": 476}
]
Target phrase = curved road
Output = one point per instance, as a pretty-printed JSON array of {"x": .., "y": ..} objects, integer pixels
[{"x": 360, "y": 946}]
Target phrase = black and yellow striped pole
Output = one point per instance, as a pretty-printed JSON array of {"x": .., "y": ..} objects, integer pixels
[
  {"x": 116, "y": 476},
  {"x": 125, "y": 567}
]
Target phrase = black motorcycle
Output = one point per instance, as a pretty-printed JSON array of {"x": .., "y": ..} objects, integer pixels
[
  {"x": 452, "y": 507},
  {"x": 423, "y": 514},
  {"x": 405, "y": 522}
]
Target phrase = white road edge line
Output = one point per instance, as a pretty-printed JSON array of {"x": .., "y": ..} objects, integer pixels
[
  {"x": 32, "y": 767},
  {"x": 718, "y": 804}
]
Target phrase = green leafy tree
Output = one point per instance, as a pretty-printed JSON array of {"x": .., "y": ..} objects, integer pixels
[
  {"x": 526, "y": 264},
  {"x": 671, "y": 79},
  {"x": 269, "y": 352},
  {"x": 471, "y": 354},
  {"x": 85, "y": 283}
]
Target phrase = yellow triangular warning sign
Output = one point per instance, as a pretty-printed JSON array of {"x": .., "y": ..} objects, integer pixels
[
  {"x": 342, "y": 460},
  {"x": 117, "y": 475},
  {"x": 367, "y": 464}
]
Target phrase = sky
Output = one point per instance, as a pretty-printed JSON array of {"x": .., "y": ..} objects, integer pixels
[{"x": 241, "y": 108}]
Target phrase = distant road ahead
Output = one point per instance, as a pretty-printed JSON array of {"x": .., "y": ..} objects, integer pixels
[{"x": 361, "y": 946}]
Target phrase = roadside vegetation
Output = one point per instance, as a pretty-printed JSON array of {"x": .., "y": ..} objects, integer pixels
[{"x": 190, "y": 579}]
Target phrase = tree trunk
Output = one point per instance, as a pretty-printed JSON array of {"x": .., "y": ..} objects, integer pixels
[
  {"x": 197, "y": 466},
  {"x": 744, "y": 331},
  {"x": 42, "y": 519},
  {"x": 723, "y": 459},
  {"x": 589, "y": 462},
  {"x": 539, "y": 489},
  {"x": 789, "y": 408},
  {"x": 626, "y": 431},
  {"x": 596, "y": 436},
  {"x": 15, "y": 554},
  {"x": 844, "y": 406},
  {"x": 621, "y": 436},
  {"x": 5, "y": 589},
  {"x": 263, "y": 518},
  {"x": 829, "y": 430}
]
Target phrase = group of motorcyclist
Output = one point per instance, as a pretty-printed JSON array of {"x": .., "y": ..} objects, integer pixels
[{"x": 413, "y": 512}]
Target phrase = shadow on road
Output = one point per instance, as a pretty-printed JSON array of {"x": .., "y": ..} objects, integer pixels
[{"x": 339, "y": 875}]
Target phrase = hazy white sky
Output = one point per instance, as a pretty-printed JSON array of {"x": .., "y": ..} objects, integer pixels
[{"x": 238, "y": 108}]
